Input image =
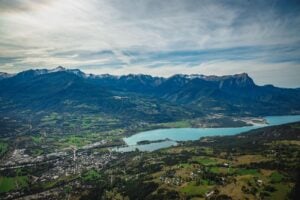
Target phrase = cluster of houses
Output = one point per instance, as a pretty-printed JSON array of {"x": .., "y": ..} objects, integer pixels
[
  {"x": 171, "y": 180},
  {"x": 69, "y": 165},
  {"x": 19, "y": 156},
  {"x": 68, "y": 162},
  {"x": 64, "y": 164}
]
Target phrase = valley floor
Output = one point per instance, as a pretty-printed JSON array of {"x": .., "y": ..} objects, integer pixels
[{"x": 260, "y": 164}]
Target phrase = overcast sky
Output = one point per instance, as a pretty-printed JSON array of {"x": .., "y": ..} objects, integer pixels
[{"x": 261, "y": 38}]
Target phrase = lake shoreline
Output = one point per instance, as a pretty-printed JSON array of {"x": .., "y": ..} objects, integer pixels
[
  {"x": 187, "y": 134},
  {"x": 206, "y": 122}
]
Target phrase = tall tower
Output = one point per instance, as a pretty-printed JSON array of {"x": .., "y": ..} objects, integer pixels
[
  {"x": 74, "y": 154},
  {"x": 74, "y": 159}
]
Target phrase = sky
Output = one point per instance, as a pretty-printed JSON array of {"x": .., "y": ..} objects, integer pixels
[{"x": 161, "y": 38}]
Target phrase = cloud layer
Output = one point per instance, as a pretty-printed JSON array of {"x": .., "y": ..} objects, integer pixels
[{"x": 154, "y": 37}]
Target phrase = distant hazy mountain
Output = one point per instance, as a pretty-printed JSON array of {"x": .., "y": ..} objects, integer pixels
[
  {"x": 4, "y": 75},
  {"x": 143, "y": 96}
]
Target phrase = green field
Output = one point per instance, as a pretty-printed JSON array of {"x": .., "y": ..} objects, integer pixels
[
  {"x": 36, "y": 139},
  {"x": 276, "y": 177},
  {"x": 13, "y": 183},
  {"x": 206, "y": 160},
  {"x": 3, "y": 148},
  {"x": 91, "y": 175},
  {"x": 281, "y": 191},
  {"x": 247, "y": 172},
  {"x": 177, "y": 124},
  {"x": 193, "y": 190}
]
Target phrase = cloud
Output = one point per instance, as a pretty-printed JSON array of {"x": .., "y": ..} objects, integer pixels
[
  {"x": 20, "y": 5},
  {"x": 262, "y": 73},
  {"x": 120, "y": 35}
]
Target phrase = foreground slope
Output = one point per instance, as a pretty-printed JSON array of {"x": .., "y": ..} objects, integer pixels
[{"x": 260, "y": 164}]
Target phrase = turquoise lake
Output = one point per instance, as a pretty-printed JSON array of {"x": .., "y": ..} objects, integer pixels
[{"x": 185, "y": 134}]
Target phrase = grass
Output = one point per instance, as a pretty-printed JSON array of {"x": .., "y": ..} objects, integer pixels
[
  {"x": 3, "y": 148},
  {"x": 36, "y": 139},
  {"x": 91, "y": 175},
  {"x": 178, "y": 124},
  {"x": 276, "y": 177},
  {"x": 206, "y": 161},
  {"x": 193, "y": 190},
  {"x": 37, "y": 152},
  {"x": 282, "y": 191},
  {"x": 207, "y": 182},
  {"x": 184, "y": 165},
  {"x": 54, "y": 183},
  {"x": 215, "y": 170},
  {"x": 73, "y": 140},
  {"x": 243, "y": 171},
  {"x": 207, "y": 150},
  {"x": 12, "y": 183},
  {"x": 49, "y": 184},
  {"x": 52, "y": 117},
  {"x": 287, "y": 142},
  {"x": 77, "y": 141},
  {"x": 247, "y": 159},
  {"x": 234, "y": 191}
]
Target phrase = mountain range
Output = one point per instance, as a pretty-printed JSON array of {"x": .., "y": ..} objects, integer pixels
[{"x": 142, "y": 97}]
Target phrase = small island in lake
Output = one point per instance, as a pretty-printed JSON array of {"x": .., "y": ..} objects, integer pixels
[{"x": 143, "y": 142}]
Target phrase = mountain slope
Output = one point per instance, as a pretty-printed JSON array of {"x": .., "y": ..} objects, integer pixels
[
  {"x": 70, "y": 91},
  {"x": 143, "y": 97}
]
